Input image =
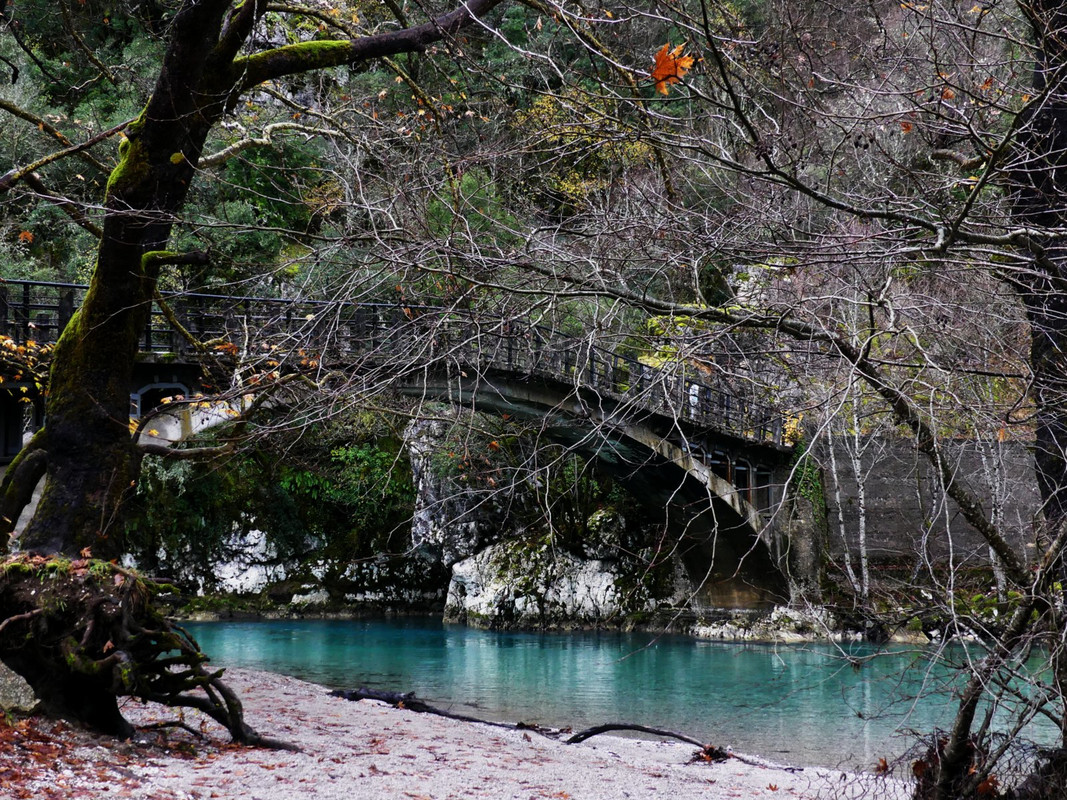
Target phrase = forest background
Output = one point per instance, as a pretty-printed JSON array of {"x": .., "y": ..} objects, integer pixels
[{"x": 855, "y": 212}]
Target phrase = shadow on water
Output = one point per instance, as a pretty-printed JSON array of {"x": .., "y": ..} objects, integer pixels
[{"x": 815, "y": 704}]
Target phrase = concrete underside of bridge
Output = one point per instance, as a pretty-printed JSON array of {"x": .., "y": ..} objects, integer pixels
[{"x": 725, "y": 545}]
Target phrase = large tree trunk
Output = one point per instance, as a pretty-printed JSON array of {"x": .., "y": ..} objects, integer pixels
[
  {"x": 91, "y": 463},
  {"x": 1040, "y": 202},
  {"x": 85, "y": 451}
]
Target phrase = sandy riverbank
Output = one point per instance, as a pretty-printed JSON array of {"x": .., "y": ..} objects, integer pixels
[{"x": 366, "y": 750}]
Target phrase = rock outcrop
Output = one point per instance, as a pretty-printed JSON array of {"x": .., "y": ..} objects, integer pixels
[{"x": 450, "y": 522}]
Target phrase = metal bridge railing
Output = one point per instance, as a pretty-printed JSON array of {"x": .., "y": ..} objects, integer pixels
[{"x": 406, "y": 336}]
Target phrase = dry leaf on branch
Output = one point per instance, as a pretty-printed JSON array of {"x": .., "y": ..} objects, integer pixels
[{"x": 670, "y": 66}]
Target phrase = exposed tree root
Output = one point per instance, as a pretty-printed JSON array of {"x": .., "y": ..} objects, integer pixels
[
  {"x": 936, "y": 779},
  {"x": 84, "y": 632},
  {"x": 19, "y": 481},
  {"x": 1048, "y": 780}
]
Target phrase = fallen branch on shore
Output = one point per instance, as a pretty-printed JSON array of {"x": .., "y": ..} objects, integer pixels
[
  {"x": 409, "y": 701},
  {"x": 596, "y": 730}
]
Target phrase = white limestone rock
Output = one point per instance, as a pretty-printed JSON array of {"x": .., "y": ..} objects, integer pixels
[
  {"x": 15, "y": 693},
  {"x": 251, "y": 567},
  {"x": 563, "y": 590}
]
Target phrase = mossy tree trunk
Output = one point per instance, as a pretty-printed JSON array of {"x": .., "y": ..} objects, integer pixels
[
  {"x": 86, "y": 452},
  {"x": 86, "y": 448},
  {"x": 1039, "y": 203}
]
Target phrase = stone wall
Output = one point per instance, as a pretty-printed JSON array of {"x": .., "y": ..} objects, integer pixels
[{"x": 908, "y": 518}]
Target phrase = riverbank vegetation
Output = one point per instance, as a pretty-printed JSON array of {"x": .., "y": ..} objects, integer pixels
[{"x": 855, "y": 214}]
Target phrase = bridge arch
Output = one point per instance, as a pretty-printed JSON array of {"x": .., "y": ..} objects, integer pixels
[
  {"x": 147, "y": 397},
  {"x": 621, "y": 410},
  {"x": 726, "y": 539},
  {"x": 730, "y": 547}
]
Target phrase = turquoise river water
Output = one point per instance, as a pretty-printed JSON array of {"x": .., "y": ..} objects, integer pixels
[{"x": 803, "y": 704}]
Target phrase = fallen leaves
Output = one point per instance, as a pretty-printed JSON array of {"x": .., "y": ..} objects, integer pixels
[
  {"x": 990, "y": 787},
  {"x": 46, "y": 760}
]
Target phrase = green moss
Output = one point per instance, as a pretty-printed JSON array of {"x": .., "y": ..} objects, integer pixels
[
  {"x": 806, "y": 481},
  {"x": 133, "y": 167},
  {"x": 156, "y": 257},
  {"x": 300, "y": 57},
  {"x": 133, "y": 163},
  {"x": 56, "y": 566},
  {"x": 127, "y": 675}
]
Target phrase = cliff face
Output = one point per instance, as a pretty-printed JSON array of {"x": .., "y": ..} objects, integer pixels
[
  {"x": 511, "y": 565},
  {"x": 450, "y": 521}
]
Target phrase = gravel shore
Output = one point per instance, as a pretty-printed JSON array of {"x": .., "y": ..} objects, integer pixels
[{"x": 366, "y": 750}]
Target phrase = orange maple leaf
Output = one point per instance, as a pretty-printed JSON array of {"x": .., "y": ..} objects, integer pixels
[
  {"x": 26, "y": 236},
  {"x": 228, "y": 348},
  {"x": 670, "y": 66}
]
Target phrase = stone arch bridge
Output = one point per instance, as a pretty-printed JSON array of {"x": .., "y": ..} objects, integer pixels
[{"x": 715, "y": 457}]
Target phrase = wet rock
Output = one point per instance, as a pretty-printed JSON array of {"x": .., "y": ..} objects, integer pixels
[{"x": 781, "y": 624}]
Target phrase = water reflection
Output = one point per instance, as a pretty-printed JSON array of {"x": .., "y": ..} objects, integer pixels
[{"x": 810, "y": 704}]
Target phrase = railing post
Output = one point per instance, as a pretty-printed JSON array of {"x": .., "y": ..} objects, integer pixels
[
  {"x": 511, "y": 347},
  {"x": 148, "y": 327},
  {"x": 64, "y": 312},
  {"x": 5, "y": 312},
  {"x": 24, "y": 316},
  {"x": 176, "y": 343}
]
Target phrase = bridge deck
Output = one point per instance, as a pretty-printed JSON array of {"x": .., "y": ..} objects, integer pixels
[{"x": 269, "y": 331}]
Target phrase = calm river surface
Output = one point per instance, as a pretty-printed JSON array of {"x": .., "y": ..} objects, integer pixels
[{"x": 802, "y": 704}]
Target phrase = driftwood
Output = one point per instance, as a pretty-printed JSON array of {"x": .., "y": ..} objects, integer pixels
[
  {"x": 409, "y": 701},
  {"x": 596, "y": 730}
]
